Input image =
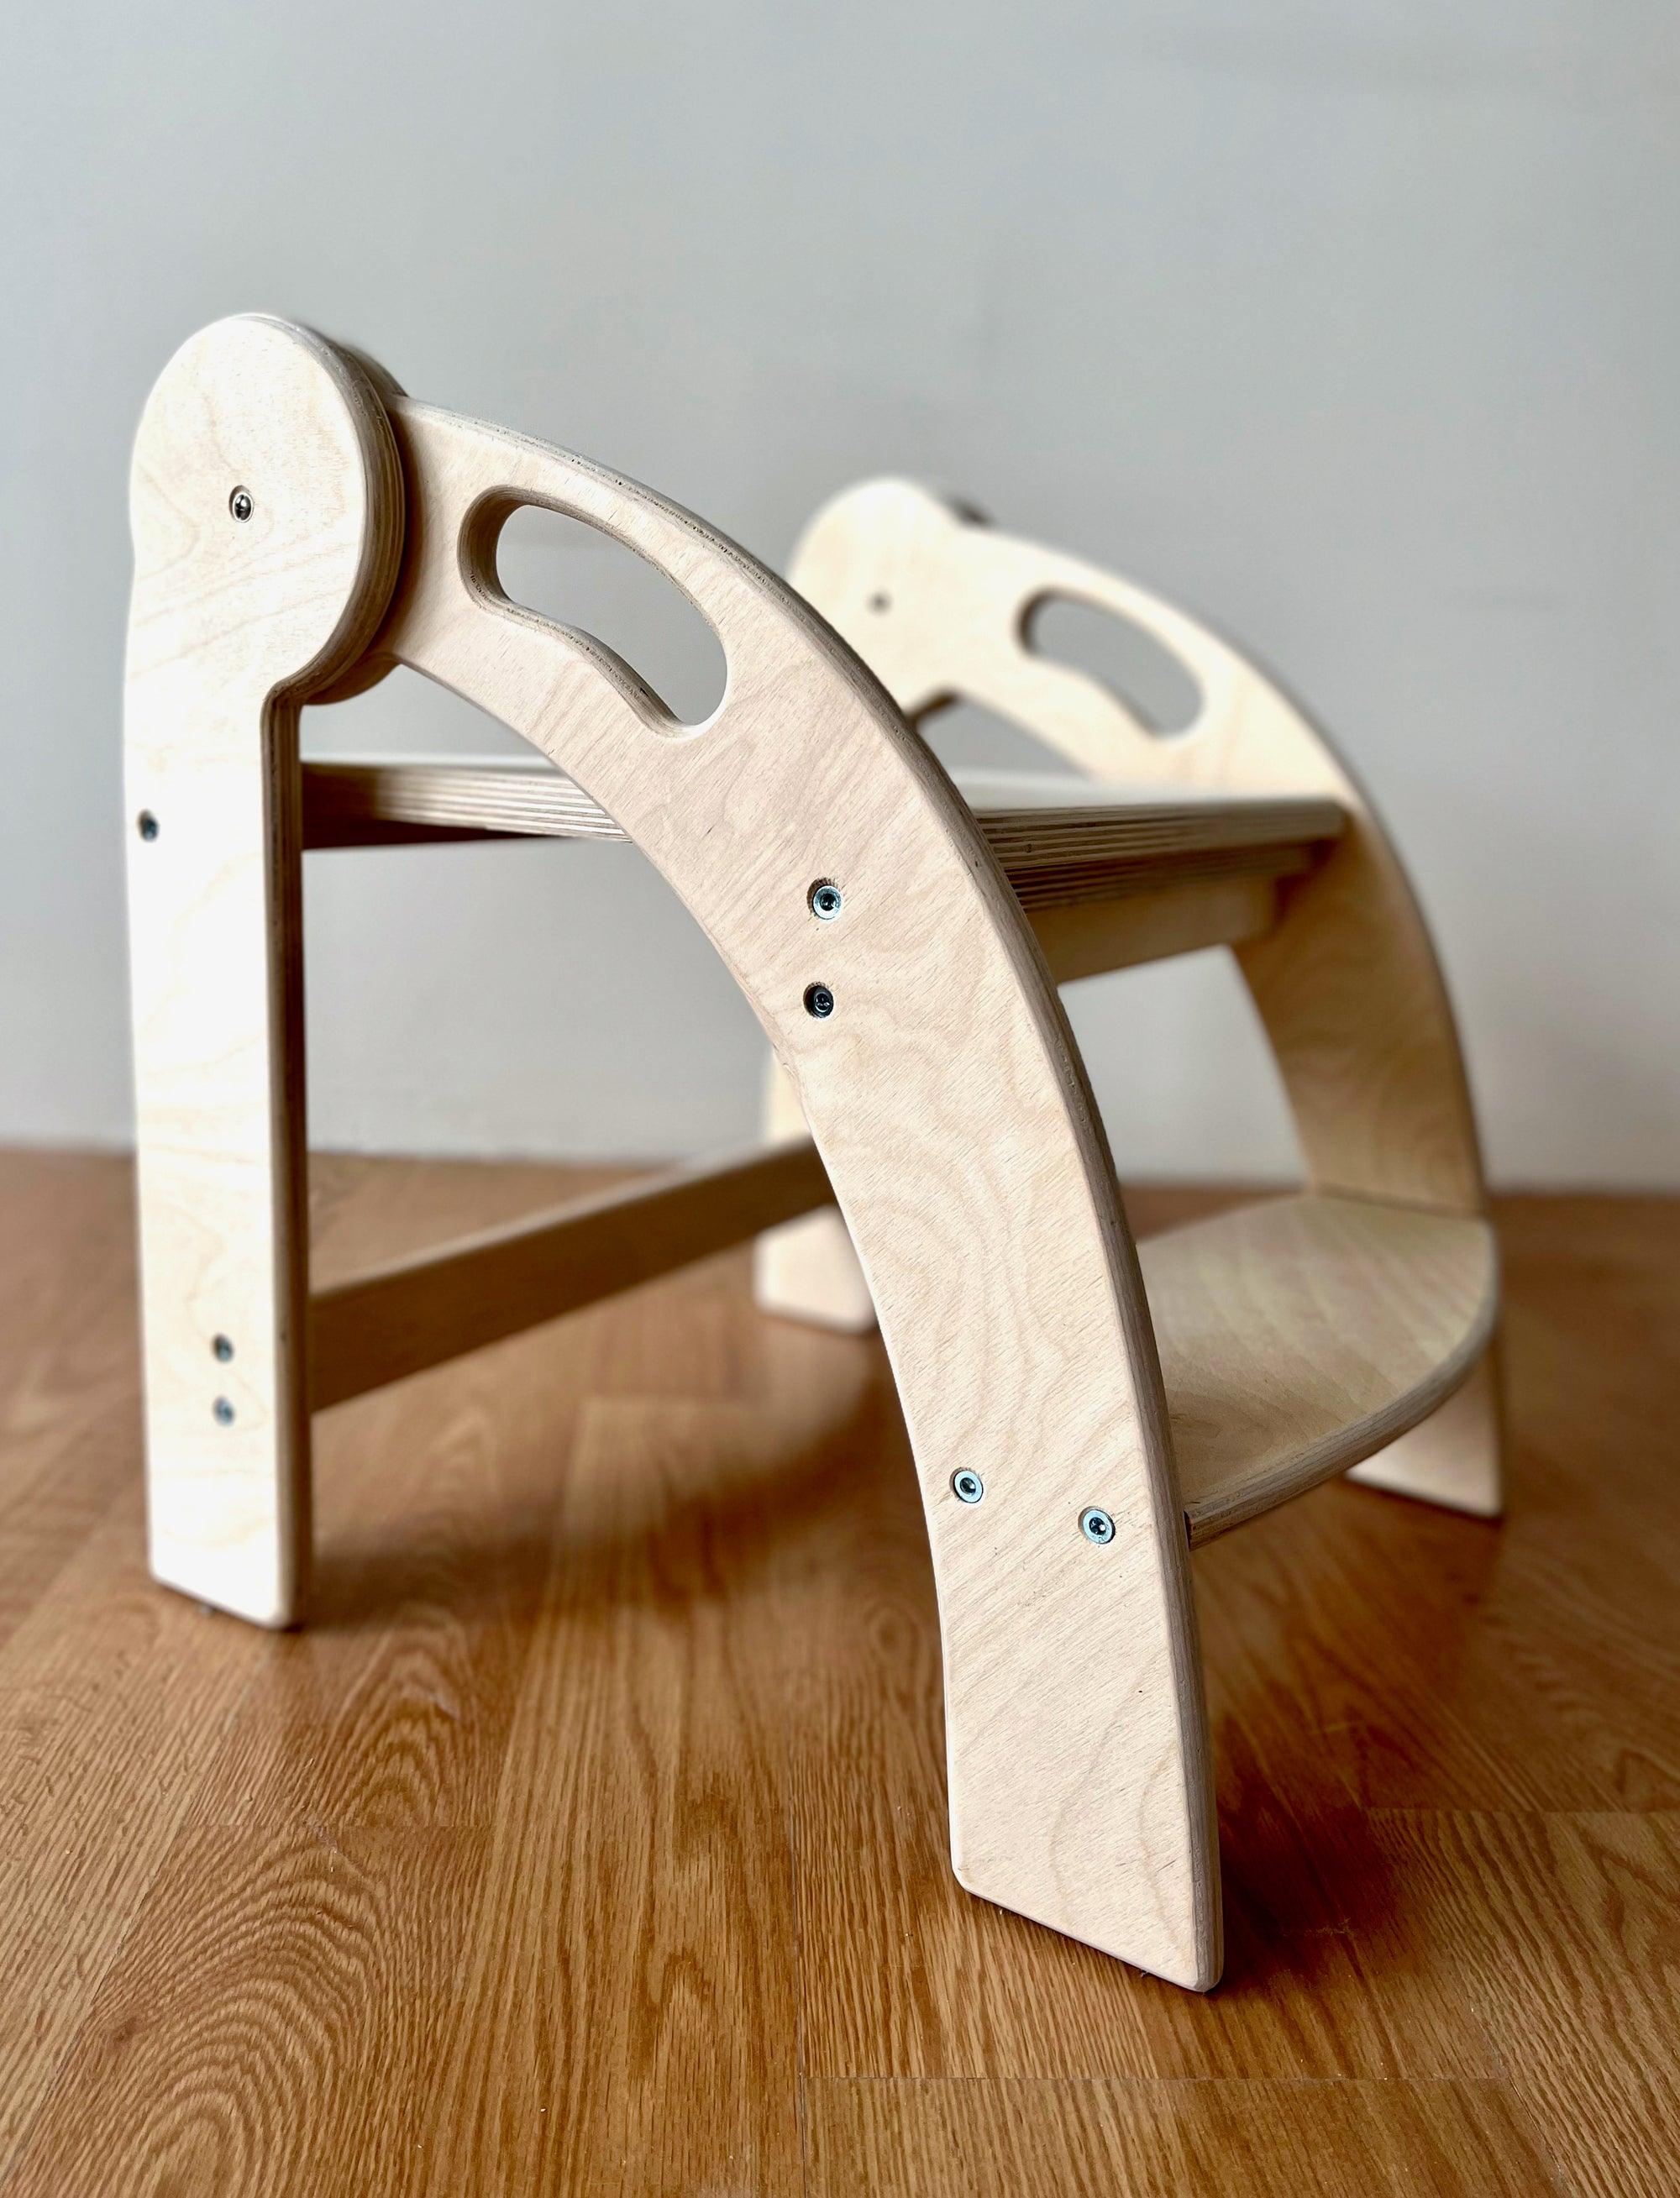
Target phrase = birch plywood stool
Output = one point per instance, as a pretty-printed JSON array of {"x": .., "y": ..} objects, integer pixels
[{"x": 1081, "y": 1417}]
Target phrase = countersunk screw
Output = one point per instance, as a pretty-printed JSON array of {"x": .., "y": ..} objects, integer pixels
[
  {"x": 966, "y": 1486},
  {"x": 826, "y": 900},
  {"x": 240, "y": 503},
  {"x": 147, "y": 825},
  {"x": 223, "y": 1348},
  {"x": 819, "y": 1001},
  {"x": 222, "y": 1411},
  {"x": 1095, "y": 1525}
]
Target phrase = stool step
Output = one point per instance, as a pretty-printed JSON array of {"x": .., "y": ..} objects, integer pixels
[
  {"x": 1298, "y": 1336},
  {"x": 1062, "y": 841}
]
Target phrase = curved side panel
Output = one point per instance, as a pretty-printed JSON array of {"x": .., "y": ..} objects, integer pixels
[
  {"x": 946, "y": 1098},
  {"x": 1347, "y": 985},
  {"x": 806, "y": 1269},
  {"x": 937, "y": 603}
]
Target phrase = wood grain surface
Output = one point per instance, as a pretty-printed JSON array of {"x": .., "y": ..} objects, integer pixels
[
  {"x": 1060, "y": 842},
  {"x": 265, "y": 505},
  {"x": 944, "y": 1093},
  {"x": 1298, "y": 1336},
  {"x": 939, "y": 605},
  {"x": 593, "y": 1838},
  {"x": 942, "y": 607}
]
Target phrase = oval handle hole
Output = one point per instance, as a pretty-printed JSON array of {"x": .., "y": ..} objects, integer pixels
[
  {"x": 573, "y": 574},
  {"x": 1156, "y": 686}
]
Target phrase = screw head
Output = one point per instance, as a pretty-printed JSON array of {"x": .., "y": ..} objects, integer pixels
[
  {"x": 145, "y": 825},
  {"x": 1095, "y": 1525},
  {"x": 819, "y": 1001},
  {"x": 240, "y": 505},
  {"x": 826, "y": 901},
  {"x": 966, "y": 1486},
  {"x": 222, "y": 1412},
  {"x": 223, "y": 1347}
]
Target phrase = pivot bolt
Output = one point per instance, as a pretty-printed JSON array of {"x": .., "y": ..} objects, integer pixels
[
  {"x": 819, "y": 1001},
  {"x": 240, "y": 505},
  {"x": 1096, "y": 1526},
  {"x": 966, "y": 1486},
  {"x": 826, "y": 901}
]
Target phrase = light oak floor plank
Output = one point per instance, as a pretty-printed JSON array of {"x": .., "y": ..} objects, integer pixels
[
  {"x": 592, "y": 1839},
  {"x": 1260, "y": 2139}
]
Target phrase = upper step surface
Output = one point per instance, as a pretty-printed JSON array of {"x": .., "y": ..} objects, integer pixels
[{"x": 1060, "y": 840}]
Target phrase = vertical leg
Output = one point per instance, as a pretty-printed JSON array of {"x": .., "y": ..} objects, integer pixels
[
  {"x": 807, "y": 1269},
  {"x": 215, "y": 905},
  {"x": 266, "y": 519}
]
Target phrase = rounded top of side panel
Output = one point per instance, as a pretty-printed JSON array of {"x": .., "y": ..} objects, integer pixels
[{"x": 266, "y": 503}]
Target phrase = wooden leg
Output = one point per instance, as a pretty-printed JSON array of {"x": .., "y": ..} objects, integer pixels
[
  {"x": 1049, "y": 1688},
  {"x": 1454, "y": 1458},
  {"x": 1061, "y": 1712},
  {"x": 267, "y": 519},
  {"x": 807, "y": 1269},
  {"x": 219, "y": 1074}
]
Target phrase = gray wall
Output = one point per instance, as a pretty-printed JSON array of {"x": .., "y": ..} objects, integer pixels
[{"x": 1353, "y": 325}]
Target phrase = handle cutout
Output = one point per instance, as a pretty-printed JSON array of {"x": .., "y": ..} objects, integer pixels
[
  {"x": 576, "y": 575},
  {"x": 1140, "y": 671}
]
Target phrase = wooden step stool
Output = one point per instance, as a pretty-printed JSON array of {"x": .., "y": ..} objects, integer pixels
[{"x": 1081, "y": 1417}]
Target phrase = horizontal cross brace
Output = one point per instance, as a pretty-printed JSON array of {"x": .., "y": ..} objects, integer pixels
[{"x": 397, "y": 1320}]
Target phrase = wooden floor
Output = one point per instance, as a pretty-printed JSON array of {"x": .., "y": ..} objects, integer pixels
[{"x": 593, "y": 1839}]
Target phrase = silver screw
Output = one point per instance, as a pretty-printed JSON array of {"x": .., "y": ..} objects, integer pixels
[
  {"x": 819, "y": 1001},
  {"x": 1095, "y": 1525},
  {"x": 147, "y": 825},
  {"x": 222, "y": 1411},
  {"x": 966, "y": 1486},
  {"x": 826, "y": 900},
  {"x": 223, "y": 1348},
  {"x": 240, "y": 503}
]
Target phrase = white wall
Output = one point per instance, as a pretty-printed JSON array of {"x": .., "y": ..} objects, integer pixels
[{"x": 1354, "y": 325}]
